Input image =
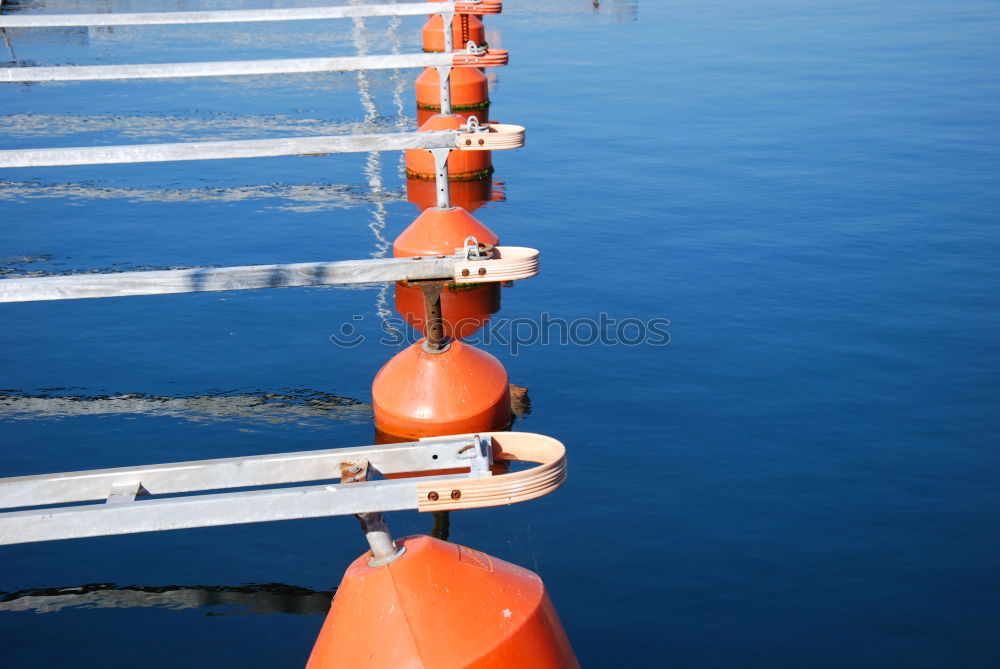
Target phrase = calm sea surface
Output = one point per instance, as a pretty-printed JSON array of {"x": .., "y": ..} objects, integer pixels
[{"x": 805, "y": 476}]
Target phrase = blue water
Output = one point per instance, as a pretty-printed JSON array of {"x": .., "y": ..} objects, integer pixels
[{"x": 806, "y": 475}]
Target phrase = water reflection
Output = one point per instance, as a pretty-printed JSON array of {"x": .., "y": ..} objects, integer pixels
[
  {"x": 191, "y": 126},
  {"x": 300, "y": 406},
  {"x": 285, "y": 197},
  {"x": 252, "y": 598},
  {"x": 556, "y": 12},
  {"x": 297, "y": 406}
]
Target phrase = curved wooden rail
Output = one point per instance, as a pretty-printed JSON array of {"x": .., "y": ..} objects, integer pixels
[
  {"x": 484, "y": 7},
  {"x": 503, "y": 489},
  {"x": 499, "y": 136},
  {"x": 509, "y": 263},
  {"x": 491, "y": 58}
]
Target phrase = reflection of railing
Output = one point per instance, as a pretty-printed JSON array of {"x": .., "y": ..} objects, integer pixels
[
  {"x": 286, "y": 406},
  {"x": 254, "y": 598},
  {"x": 300, "y": 406}
]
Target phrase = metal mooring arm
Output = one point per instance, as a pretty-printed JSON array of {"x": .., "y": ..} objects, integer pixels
[
  {"x": 506, "y": 263},
  {"x": 246, "y": 15},
  {"x": 492, "y": 137},
  {"x": 159, "y": 497}
]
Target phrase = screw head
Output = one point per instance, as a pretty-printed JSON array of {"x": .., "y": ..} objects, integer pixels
[
  {"x": 432, "y": 496},
  {"x": 465, "y": 272},
  {"x": 456, "y": 494},
  {"x": 482, "y": 271}
]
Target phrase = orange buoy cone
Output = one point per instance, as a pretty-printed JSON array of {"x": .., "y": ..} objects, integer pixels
[
  {"x": 462, "y": 165},
  {"x": 464, "y": 308},
  {"x": 465, "y": 28},
  {"x": 441, "y": 606},
  {"x": 421, "y": 393},
  {"x": 469, "y": 195},
  {"x": 470, "y": 94}
]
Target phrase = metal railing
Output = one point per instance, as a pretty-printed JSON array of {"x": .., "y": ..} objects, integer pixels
[{"x": 229, "y": 15}]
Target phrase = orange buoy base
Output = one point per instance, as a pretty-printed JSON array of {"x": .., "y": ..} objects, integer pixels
[
  {"x": 462, "y": 165},
  {"x": 470, "y": 94},
  {"x": 420, "y": 394},
  {"x": 441, "y": 606}
]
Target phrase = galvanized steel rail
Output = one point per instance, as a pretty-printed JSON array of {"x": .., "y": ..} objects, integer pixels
[
  {"x": 225, "y": 16},
  {"x": 186, "y": 494},
  {"x": 507, "y": 263},
  {"x": 209, "y": 279},
  {"x": 248, "y": 148},
  {"x": 473, "y": 137},
  {"x": 234, "y": 68}
]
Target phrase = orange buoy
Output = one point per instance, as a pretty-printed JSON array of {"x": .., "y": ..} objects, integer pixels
[
  {"x": 456, "y": 390},
  {"x": 441, "y": 606},
  {"x": 470, "y": 94},
  {"x": 465, "y": 28},
  {"x": 462, "y": 165},
  {"x": 464, "y": 308}
]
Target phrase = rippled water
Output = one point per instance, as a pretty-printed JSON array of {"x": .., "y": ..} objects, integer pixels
[{"x": 808, "y": 191}]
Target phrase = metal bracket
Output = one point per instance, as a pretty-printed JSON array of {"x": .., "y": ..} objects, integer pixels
[
  {"x": 473, "y": 250},
  {"x": 475, "y": 50},
  {"x": 441, "y": 177}
]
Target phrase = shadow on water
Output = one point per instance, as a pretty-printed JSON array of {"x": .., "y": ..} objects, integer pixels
[{"x": 263, "y": 598}]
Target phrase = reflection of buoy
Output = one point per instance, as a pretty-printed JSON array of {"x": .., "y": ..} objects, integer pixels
[
  {"x": 462, "y": 165},
  {"x": 464, "y": 308},
  {"x": 469, "y": 195},
  {"x": 464, "y": 28},
  {"x": 441, "y": 606},
  {"x": 470, "y": 95},
  {"x": 457, "y": 390}
]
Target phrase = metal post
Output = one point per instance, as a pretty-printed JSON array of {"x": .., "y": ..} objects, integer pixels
[
  {"x": 435, "y": 342},
  {"x": 444, "y": 72},
  {"x": 444, "y": 75},
  {"x": 441, "y": 177},
  {"x": 384, "y": 549}
]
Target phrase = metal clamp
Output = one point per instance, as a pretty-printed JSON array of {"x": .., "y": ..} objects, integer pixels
[
  {"x": 473, "y": 250},
  {"x": 475, "y": 50}
]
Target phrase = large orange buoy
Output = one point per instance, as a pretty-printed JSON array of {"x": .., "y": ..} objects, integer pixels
[
  {"x": 470, "y": 93},
  {"x": 464, "y": 308},
  {"x": 422, "y": 393},
  {"x": 462, "y": 165},
  {"x": 441, "y": 606}
]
